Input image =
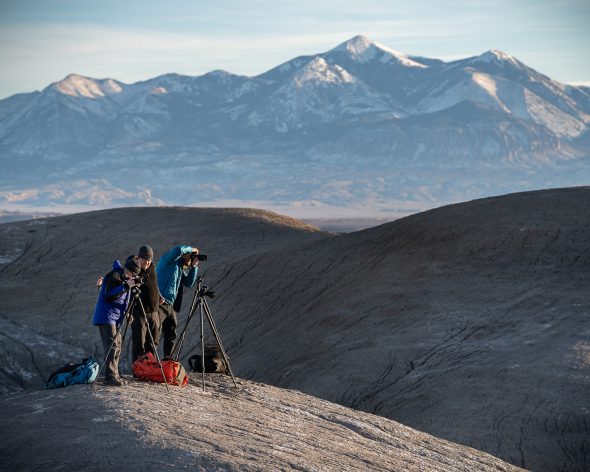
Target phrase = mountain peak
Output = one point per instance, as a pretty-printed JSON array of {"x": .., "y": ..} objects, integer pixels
[
  {"x": 359, "y": 44},
  {"x": 76, "y": 85},
  {"x": 220, "y": 75},
  {"x": 497, "y": 57},
  {"x": 362, "y": 49}
]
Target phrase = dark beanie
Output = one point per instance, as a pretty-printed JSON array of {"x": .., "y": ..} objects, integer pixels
[
  {"x": 132, "y": 266},
  {"x": 146, "y": 251}
]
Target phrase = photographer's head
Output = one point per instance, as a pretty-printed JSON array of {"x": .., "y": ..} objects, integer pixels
[
  {"x": 186, "y": 260},
  {"x": 145, "y": 257},
  {"x": 131, "y": 267},
  {"x": 190, "y": 259}
]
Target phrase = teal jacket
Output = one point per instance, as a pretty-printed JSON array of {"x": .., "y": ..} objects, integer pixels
[{"x": 170, "y": 273}]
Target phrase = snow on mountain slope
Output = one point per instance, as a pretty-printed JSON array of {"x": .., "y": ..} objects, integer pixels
[
  {"x": 316, "y": 92},
  {"x": 503, "y": 65},
  {"x": 474, "y": 86},
  {"x": 501, "y": 82},
  {"x": 552, "y": 117},
  {"x": 383, "y": 69},
  {"x": 79, "y": 86},
  {"x": 363, "y": 50}
]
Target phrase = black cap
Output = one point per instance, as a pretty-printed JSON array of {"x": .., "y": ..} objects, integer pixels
[
  {"x": 146, "y": 252},
  {"x": 132, "y": 266}
]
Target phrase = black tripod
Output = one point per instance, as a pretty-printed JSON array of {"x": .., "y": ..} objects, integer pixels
[
  {"x": 135, "y": 292},
  {"x": 200, "y": 303}
]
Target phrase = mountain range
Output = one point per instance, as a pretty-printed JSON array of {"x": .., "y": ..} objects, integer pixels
[{"x": 356, "y": 130}]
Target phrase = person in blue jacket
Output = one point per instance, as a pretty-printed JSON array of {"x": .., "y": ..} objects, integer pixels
[
  {"x": 109, "y": 313},
  {"x": 177, "y": 266}
]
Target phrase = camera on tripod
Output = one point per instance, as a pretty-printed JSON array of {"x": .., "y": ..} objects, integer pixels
[
  {"x": 205, "y": 292},
  {"x": 138, "y": 279},
  {"x": 200, "y": 304}
]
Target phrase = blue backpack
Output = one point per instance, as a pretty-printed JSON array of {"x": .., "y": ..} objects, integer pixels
[{"x": 72, "y": 374}]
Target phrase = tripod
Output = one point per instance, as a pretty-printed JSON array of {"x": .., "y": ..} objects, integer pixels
[
  {"x": 135, "y": 292},
  {"x": 200, "y": 302}
]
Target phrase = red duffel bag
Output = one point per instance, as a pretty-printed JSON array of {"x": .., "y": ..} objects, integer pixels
[{"x": 147, "y": 368}]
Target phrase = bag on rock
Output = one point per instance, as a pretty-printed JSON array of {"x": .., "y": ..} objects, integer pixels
[
  {"x": 72, "y": 374},
  {"x": 214, "y": 362},
  {"x": 147, "y": 368}
]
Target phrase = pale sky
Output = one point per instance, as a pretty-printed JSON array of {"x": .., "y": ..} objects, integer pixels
[{"x": 45, "y": 40}]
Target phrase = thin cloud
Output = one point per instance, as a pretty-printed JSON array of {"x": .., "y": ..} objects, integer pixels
[
  {"x": 44, "y": 52},
  {"x": 72, "y": 48}
]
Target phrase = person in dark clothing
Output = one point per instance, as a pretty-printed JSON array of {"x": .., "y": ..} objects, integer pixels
[
  {"x": 109, "y": 314},
  {"x": 176, "y": 267},
  {"x": 141, "y": 343}
]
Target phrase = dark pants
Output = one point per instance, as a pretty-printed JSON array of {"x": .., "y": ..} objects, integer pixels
[
  {"x": 169, "y": 323},
  {"x": 141, "y": 342},
  {"x": 108, "y": 334}
]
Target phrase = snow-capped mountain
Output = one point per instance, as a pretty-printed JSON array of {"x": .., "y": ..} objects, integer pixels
[{"x": 361, "y": 125}]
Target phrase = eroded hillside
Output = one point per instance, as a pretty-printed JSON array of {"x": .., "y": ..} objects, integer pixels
[{"x": 468, "y": 322}]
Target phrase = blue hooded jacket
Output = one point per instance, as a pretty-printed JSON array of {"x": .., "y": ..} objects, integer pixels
[
  {"x": 170, "y": 273},
  {"x": 113, "y": 298}
]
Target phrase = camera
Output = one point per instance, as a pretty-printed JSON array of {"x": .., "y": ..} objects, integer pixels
[
  {"x": 199, "y": 257},
  {"x": 205, "y": 292},
  {"x": 138, "y": 279}
]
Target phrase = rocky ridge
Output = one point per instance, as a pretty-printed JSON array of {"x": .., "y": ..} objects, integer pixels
[{"x": 258, "y": 427}]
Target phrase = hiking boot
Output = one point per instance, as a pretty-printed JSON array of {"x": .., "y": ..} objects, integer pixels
[{"x": 113, "y": 382}]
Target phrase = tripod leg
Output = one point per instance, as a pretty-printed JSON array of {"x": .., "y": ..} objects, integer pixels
[
  {"x": 175, "y": 354},
  {"x": 218, "y": 338},
  {"x": 202, "y": 347},
  {"x": 153, "y": 344}
]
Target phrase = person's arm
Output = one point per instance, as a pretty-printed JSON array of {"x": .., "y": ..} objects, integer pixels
[
  {"x": 154, "y": 280},
  {"x": 114, "y": 287},
  {"x": 174, "y": 254},
  {"x": 190, "y": 279}
]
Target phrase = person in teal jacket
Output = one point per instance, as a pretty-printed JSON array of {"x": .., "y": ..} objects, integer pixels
[{"x": 177, "y": 266}]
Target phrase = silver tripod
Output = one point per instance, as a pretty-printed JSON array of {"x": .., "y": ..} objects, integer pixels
[{"x": 200, "y": 303}]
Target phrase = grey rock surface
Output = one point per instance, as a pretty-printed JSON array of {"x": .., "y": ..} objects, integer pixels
[{"x": 256, "y": 428}]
